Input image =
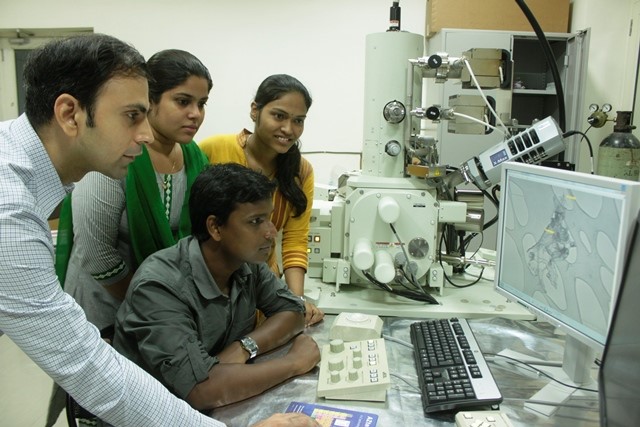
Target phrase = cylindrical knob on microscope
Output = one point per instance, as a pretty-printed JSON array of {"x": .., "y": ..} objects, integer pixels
[
  {"x": 363, "y": 254},
  {"x": 393, "y": 148},
  {"x": 353, "y": 375},
  {"x": 336, "y": 346},
  {"x": 336, "y": 364},
  {"x": 357, "y": 362},
  {"x": 384, "y": 270},
  {"x": 357, "y": 351},
  {"x": 388, "y": 209},
  {"x": 335, "y": 377}
]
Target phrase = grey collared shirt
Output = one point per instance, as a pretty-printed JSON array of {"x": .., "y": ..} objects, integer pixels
[{"x": 174, "y": 320}]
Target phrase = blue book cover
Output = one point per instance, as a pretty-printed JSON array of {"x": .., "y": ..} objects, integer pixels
[{"x": 328, "y": 416}]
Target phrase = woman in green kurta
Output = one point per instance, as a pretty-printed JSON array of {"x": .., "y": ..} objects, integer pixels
[{"x": 108, "y": 227}]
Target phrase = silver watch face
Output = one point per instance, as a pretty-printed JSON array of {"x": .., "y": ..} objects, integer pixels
[{"x": 249, "y": 344}]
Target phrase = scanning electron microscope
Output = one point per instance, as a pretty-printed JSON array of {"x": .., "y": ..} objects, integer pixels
[{"x": 393, "y": 227}]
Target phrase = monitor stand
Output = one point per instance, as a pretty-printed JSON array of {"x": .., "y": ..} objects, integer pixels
[
  {"x": 477, "y": 301},
  {"x": 575, "y": 371}
]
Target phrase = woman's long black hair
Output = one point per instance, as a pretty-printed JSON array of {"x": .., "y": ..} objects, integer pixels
[{"x": 287, "y": 164}]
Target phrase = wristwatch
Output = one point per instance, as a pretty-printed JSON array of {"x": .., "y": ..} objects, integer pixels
[{"x": 249, "y": 344}]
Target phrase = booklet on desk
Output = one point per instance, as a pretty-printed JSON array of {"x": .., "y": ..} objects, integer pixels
[{"x": 328, "y": 416}]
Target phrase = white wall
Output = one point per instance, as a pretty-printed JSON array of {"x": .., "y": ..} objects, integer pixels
[{"x": 321, "y": 42}]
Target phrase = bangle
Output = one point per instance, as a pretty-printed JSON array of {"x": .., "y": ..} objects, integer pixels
[{"x": 302, "y": 298}]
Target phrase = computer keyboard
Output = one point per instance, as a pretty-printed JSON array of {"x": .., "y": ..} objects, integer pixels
[
  {"x": 452, "y": 371},
  {"x": 356, "y": 370}
]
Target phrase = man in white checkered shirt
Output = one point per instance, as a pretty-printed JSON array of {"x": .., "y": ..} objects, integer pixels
[{"x": 86, "y": 106}]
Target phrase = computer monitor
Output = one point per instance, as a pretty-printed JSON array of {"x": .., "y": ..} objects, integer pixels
[
  {"x": 561, "y": 245},
  {"x": 619, "y": 376}
]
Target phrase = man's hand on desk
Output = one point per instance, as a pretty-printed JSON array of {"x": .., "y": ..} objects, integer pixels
[{"x": 288, "y": 420}]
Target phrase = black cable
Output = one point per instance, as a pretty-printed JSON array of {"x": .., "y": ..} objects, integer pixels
[
  {"x": 415, "y": 287},
  {"x": 495, "y": 203},
  {"x": 376, "y": 282},
  {"x": 468, "y": 241},
  {"x": 495, "y": 218},
  {"x": 442, "y": 239},
  {"x": 455, "y": 285},
  {"x": 551, "y": 62},
  {"x": 444, "y": 274},
  {"x": 411, "y": 281},
  {"x": 407, "y": 294},
  {"x": 584, "y": 136},
  {"x": 541, "y": 372},
  {"x": 494, "y": 190},
  {"x": 401, "y": 283},
  {"x": 404, "y": 252}
]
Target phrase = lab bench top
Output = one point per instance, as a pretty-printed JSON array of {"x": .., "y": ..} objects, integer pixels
[{"x": 403, "y": 406}]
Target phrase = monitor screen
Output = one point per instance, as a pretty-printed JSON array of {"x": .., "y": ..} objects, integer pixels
[
  {"x": 561, "y": 244},
  {"x": 619, "y": 380}
]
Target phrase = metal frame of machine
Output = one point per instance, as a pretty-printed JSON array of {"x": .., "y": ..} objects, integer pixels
[{"x": 387, "y": 223}]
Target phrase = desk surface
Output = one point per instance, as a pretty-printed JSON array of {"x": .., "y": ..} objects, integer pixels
[{"x": 403, "y": 406}]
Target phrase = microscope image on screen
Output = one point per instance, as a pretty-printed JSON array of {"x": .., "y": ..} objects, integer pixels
[
  {"x": 556, "y": 244},
  {"x": 566, "y": 240}
]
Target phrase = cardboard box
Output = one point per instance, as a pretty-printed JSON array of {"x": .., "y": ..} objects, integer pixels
[{"x": 552, "y": 15}]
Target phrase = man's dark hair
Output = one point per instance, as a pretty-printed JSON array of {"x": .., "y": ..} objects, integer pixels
[
  {"x": 79, "y": 66},
  {"x": 219, "y": 189}
]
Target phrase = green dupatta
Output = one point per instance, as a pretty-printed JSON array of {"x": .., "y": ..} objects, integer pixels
[
  {"x": 149, "y": 229},
  {"x": 64, "y": 241}
]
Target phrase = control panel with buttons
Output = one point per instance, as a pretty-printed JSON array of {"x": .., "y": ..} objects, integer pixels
[{"x": 356, "y": 370}]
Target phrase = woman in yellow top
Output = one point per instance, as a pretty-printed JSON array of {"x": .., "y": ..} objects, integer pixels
[{"x": 278, "y": 111}]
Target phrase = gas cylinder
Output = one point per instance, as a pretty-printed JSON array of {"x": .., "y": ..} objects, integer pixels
[{"x": 619, "y": 153}]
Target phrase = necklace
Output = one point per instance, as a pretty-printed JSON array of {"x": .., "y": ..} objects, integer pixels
[
  {"x": 168, "y": 177},
  {"x": 166, "y": 163},
  {"x": 167, "y": 183},
  {"x": 160, "y": 164},
  {"x": 174, "y": 161}
]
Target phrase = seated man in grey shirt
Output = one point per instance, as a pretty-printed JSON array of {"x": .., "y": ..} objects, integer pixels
[{"x": 189, "y": 314}]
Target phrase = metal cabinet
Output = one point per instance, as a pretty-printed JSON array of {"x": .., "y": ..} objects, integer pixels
[{"x": 533, "y": 97}]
